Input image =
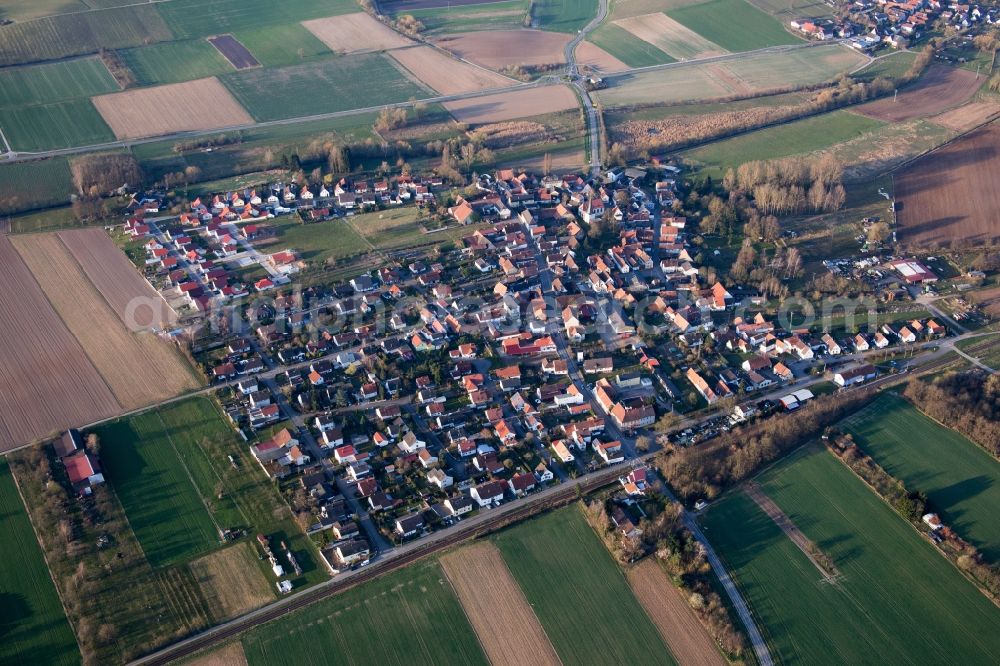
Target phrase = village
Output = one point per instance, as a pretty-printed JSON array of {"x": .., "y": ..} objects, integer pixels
[{"x": 565, "y": 334}]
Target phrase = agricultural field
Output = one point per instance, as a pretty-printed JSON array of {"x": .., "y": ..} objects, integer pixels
[
  {"x": 669, "y": 36},
  {"x": 355, "y": 33},
  {"x": 441, "y": 17},
  {"x": 66, "y": 35},
  {"x": 744, "y": 76},
  {"x": 939, "y": 88},
  {"x": 951, "y": 196},
  {"x": 447, "y": 75},
  {"x": 18, "y": 10},
  {"x": 317, "y": 243},
  {"x": 968, "y": 116},
  {"x": 794, "y": 138},
  {"x": 517, "y": 104},
  {"x": 42, "y": 366},
  {"x": 786, "y": 10},
  {"x": 281, "y": 45},
  {"x": 231, "y": 581},
  {"x": 132, "y": 298},
  {"x": 418, "y": 619},
  {"x": 322, "y": 87},
  {"x": 175, "y": 107},
  {"x": 54, "y": 82},
  {"x": 391, "y": 228},
  {"x": 893, "y": 584},
  {"x": 196, "y": 18},
  {"x": 890, "y": 66},
  {"x": 567, "y": 16},
  {"x": 124, "y": 359},
  {"x": 36, "y": 184},
  {"x": 35, "y": 629},
  {"x": 57, "y": 125},
  {"x": 497, "y": 49},
  {"x": 734, "y": 25},
  {"x": 672, "y": 615},
  {"x": 580, "y": 596},
  {"x": 174, "y": 62},
  {"x": 962, "y": 481},
  {"x": 621, "y": 44},
  {"x": 234, "y": 51},
  {"x": 491, "y": 598}
]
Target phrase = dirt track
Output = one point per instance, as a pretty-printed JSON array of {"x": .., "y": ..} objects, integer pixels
[
  {"x": 939, "y": 88},
  {"x": 951, "y": 197},
  {"x": 676, "y": 622},
  {"x": 503, "y": 619}
]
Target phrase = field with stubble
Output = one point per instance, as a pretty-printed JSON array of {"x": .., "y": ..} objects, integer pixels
[
  {"x": 670, "y": 36},
  {"x": 231, "y": 581},
  {"x": 355, "y": 33},
  {"x": 46, "y": 378},
  {"x": 125, "y": 290},
  {"x": 447, "y": 75},
  {"x": 516, "y": 104},
  {"x": 203, "y": 104},
  {"x": 492, "y": 599},
  {"x": 667, "y": 608},
  {"x": 127, "y": 361},
  {"x": 951, "y": 197}
]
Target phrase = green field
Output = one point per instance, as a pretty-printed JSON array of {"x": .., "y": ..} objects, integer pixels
[
  {"x": 160, "y": 498},
  {"x": 19, "y": 10},
  {"x": 794, "y": 138},
  {"x": 628, "y": 48},
  {"x": 506, "y": 15},
  {"x": 562, "y": 15},
  {"x": 890, "y": 66},
  {"x": 962, "y": 481},
  {"x": 407, "y": 617},
  {"x": 341, "y": 84},
  {"x": 320, "y": 241},
  {"x": 734, "y": 25},
  {"x": 578, "y": 592},
  {"x": 32, "y": 623},
  {"x": 990, "y": 356},
  {"x": 898, "y": 600},
  {"x": 36, "y": 184},
  {"x": 54, "y": 82},
  {"x": 197, "y": 18},
  {"x": 75, "y": 34},
  {"x": 280, "y": 45},
  {"x": 173, "y": 62},
  {"x": 793, "y": 9},
  {"x": 57, "y": 125}
]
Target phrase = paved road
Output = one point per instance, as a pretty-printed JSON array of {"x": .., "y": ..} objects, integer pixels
[{"x": 572, "y": 70}]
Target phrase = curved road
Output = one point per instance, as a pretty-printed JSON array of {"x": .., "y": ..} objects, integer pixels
[{"x": 593, "y": 122}]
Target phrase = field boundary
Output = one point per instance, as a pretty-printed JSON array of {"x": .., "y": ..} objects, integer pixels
[{"x": 177, "y": 454}]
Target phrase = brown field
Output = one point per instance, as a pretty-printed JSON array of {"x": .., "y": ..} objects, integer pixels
[
  {"x": 670, "y": 36},
  {"x": 139, "y": 368},
  {"x": 447, "y": 75},
  {"x": 355, "y": 33},
  {"x": 564, "y": 161},
  {"x": 988, "y": 300},
  {"x": 968, "y": 116},
  {"x": 940, "y": 88},
  {"x": 231, "y": 581},
  {"x": 515, "y": 104},
  {"x": 46, "y": 380},
  {"x": 132, "y": 298},
  {"x": 497, "y": 49},
  {"x": 676, "y": 622},
  {"x": 951, "y": 197},
  {"x": 204, "y": 104},
  {"x": 504, "y": 622},
  {"x": 234, "y": 51},
  {"x": 231, "y": 655}
]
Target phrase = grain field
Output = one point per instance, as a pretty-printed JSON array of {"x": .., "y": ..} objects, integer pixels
[
  {"x": 132, "y": 298},
  {"x": 46, "y": 379},
  {"x": 139, "y": 368},
  {"x": 504, "y": 621},
  {"x": 204, "y": 104},
  {"x": 674, "y": 619}
]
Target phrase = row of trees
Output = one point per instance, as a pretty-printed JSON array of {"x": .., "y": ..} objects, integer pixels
[{"x": 968, "y": 402}]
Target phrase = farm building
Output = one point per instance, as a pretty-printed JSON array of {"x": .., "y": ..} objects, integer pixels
[{"x": 913, "y": 271}]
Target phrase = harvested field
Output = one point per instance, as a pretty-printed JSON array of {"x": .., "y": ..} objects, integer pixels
[
  {"x": 514, "y": 104},
  {"x": 562, "y": 161},
  {"x": 355, "y": 33},
  {"x": 234, "y": 51},
  {"x": 940, "y": 88},
  {"x": 194, "y": 105},
  {"x": 968, "y": 116},
  {"x": 132, "y": 298},
  {"x": 231, "y": 655},
  {"x": 497, "y": 49},
  {"x": 670, "y": 36},
  {"x": 46, "y": 378},
  {"x": 231, "y": 581},
  {"x": 125, "y": 360},
  {"x": 492, "y": 600},
  {"x": 666, "y": 607},
  {"x": 447, "y": 75},
  {"x": 951, "y": 197}
]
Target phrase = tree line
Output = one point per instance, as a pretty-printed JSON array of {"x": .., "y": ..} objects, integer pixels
[{"x": 968, "y": 402}]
